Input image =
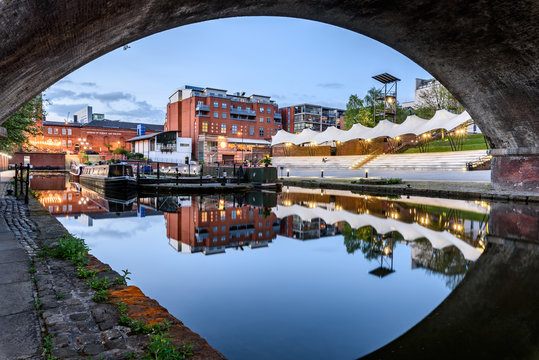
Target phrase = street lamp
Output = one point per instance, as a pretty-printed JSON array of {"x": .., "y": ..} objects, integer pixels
[{"x": 241, "y": 134}]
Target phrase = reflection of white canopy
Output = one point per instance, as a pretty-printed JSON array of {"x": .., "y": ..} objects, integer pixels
[
  {"x": 413, "y": 124},
  {"x": 410, "y": 232}
]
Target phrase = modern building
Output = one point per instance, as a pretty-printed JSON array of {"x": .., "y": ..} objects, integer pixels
[
  {"x": 83, "y": 116},
  {"x": 421, "y": 86},
  {"x": 306, "y": 116},
  {"x": 97, "y": 135},
  {"x": 223, "y": 127},
  {"x": 164, "y": 146}
]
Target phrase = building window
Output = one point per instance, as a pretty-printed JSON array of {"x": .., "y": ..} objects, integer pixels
[
  {"x": 55, "y": 131},
  {"x": 223, "y": 105},
  {"x": 233, "y": 215},
  {"x": 69, "y": 143},
  {"x": 215, "y": 114},
  {"x": 262, "y": 119},
  {"x": 262, "y": 110},
  {"x": 248, "y": 108},
  {"x": 234, "y": 129},
  {"x": 215, "y": 239},
  {"x": 223, "y": 228},
  {"x": 223, "y": 238},
  {"x": 223, "y": 215},
  {"x": 68, "y": 131},
  {"x": 268, "y": 120},
  {"x": 223, "y": 115},
  {"x": 223, "y": 129},
  {"x": 261, "y": 131},
  {"x": 63, "y": 131},
  {"x": 239, "y": 107},
  {"x": 215, "y": 104},
  {"x": 49, "y": 130},
  {"x": 63, "y": 143},
  {"x": 251, "y": 130},
  {"x": 215, "y": 229},
  {"x": 204, "y": 216},
  {"x": 204, "y": 126},
  {"x": 269, "y": 111}
]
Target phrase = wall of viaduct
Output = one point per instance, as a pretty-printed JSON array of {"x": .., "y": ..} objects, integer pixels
[{"x": 484, "y": 52}]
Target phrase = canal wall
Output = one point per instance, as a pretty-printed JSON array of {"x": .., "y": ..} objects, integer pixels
[
  {"x": 463, "y": 191},
  {"x": 72, "y": 323}
]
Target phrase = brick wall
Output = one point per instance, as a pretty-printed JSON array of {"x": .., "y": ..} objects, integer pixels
[{"x": 52, "y": 161}]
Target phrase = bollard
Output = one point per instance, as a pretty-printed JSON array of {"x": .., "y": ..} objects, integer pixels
[
  {"x": 27, "y": 183},
  {"x": 200, "y": 171},
  {"x": 287, "y": 172},
  {"x": 321, "y": 173},
  {"x": 16, "y": 178},
  {"x": 366, "y": 173}
]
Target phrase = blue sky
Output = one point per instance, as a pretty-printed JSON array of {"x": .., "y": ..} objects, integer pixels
[{"x": 293, "y": 61}]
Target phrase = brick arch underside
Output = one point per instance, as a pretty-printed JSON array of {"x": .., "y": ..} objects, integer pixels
[{"x": 484, "y": 52}]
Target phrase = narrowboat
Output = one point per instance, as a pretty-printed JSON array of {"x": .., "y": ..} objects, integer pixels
[{"x": 112, "y": 179}]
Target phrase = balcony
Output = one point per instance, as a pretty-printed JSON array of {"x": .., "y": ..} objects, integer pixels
[
  {"x": 202, "y": 114},
  {"x": 243, "y": 112},
  {"x": 277, "y": 116},
  {"x": 241, "y": 119},
  {"x": 202, "y": 107}
]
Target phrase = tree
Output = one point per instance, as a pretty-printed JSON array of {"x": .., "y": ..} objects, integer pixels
[
  {"x": 356, "y": 113},
  {"x": 23, "y": 124},
  {"x": 434, "y": 98}
]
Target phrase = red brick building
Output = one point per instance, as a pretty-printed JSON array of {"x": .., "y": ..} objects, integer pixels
[
  {"x": 223, "y": 127},
  {"x": 100, "y": 136}
]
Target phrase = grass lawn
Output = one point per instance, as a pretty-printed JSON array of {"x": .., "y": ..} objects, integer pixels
[{"x": 470, "y": 142}]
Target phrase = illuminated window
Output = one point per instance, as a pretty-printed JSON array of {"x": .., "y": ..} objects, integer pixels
[
  {"x": 223, "y": 128},
  {"x": 63, "y": 143},
  {"x": 223, "y": 215},
  {"x": 204, "y": 126},
  {"x": 234, "y": 129},
  {"x": 204, "y": 216},
  {"x": 69, "y": 143},
  {"x": 56, "y": 131}
]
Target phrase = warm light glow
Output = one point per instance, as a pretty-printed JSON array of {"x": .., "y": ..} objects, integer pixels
[{"x": 223, "y": 144}]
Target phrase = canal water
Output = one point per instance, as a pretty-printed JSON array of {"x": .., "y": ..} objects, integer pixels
[{"x": 304, "y": 274}]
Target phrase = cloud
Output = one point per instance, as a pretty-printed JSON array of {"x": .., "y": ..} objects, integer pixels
[
  {"x": 90, "y": 84},
  {"x": 331, "y": 85}
]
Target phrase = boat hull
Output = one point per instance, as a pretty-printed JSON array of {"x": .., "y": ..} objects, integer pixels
[{"x": 119, "y": 187}]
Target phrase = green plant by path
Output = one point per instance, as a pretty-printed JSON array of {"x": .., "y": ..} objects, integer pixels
[
  {"x": 161, "y": 348},
  {"x": 71, "y": 248},
  {"x": 47, "y": 347}
]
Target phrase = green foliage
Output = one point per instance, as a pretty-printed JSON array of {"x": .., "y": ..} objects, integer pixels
[
  {"x": 359, "y": 239},
  {"x": 138, "y": 326},
  {"x": 122, "y": 279},
  {"x": 357, "y": 113},
  {"x": 98, "y": 284},
  {"x": 434, "y": 98},
  {"x": 160, "y": 347},
  {"x": 32, "y": 270},
  {"x": 58, "y": 295},
  {"x": 37, "y": 303},
  {"x": 22, "y": 124},
  {"x": 71, "y": 248},
  {"x": 83, "y": 273},
  {"x": 101, "y": 296},
  {"x": 47, "y": 347},
  {"x": 135, "y": 156},
  {"x": 121, "y": 151},
  {"x": 392, "y": 181},
  {"x": 266, "y": 160}
]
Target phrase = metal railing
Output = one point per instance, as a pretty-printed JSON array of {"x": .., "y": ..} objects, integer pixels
[{"x": 22, "y": 182}]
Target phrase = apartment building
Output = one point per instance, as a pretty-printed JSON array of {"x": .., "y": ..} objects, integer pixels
[
  {"x": 307, "y": 116},
  {"x": 224, "y": 127}
]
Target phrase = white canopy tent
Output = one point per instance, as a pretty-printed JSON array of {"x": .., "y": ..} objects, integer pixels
[{"x": 413, "y": 124}]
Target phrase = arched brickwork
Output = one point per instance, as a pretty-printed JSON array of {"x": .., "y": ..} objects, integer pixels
[{"x": 484, "y": 52}]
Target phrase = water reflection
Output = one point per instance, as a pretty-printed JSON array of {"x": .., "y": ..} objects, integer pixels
[{"x": 325, "y": 266}]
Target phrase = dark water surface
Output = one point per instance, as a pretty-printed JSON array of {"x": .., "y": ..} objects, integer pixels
[{"x": 306, "y": 274}]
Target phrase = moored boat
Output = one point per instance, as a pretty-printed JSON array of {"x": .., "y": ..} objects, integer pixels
[{"x": 112, "y": 179}]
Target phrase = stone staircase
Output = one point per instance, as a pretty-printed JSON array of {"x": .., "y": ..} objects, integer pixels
[
  {"x": 364, "y": 161},
  {"x": 434, "y": 161},
  {"x": 317, "y": 162}
]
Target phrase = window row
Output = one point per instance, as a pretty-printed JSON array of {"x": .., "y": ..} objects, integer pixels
[
  {"x": 56, "y": 131},
  {"x": 234, "y": 129}
]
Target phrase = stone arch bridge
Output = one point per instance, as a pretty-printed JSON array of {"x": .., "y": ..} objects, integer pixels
[{"x": 484, "y": 52}]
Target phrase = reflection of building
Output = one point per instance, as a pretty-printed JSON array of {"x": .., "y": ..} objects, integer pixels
[
  {"x": 314, "y": 117},
  {"x": 223, "y": 127},
  {"x": 211, "y": 227},
  {"x": 313, "y": 229}
]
